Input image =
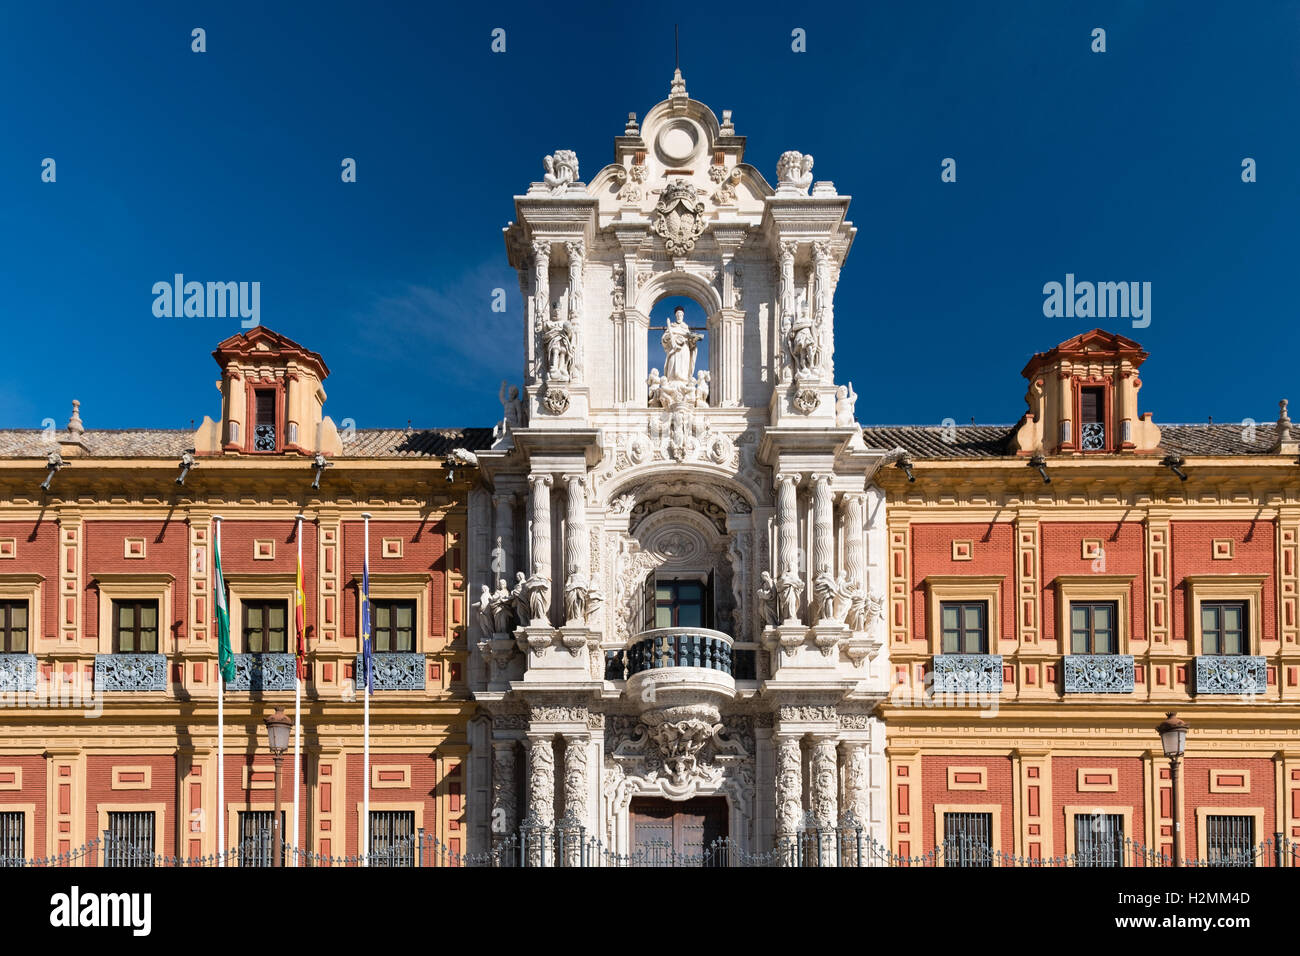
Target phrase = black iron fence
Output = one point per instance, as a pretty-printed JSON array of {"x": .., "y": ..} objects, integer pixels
[{"x": 568, "y": 844}]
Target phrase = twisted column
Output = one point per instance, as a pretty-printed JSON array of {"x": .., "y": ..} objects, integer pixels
[
  {"x": 541, "y": 538},
  {"x": 787, "y": 522},
  {"x": 823, "y": 299},
  {"x": 577, "y": 251},
  {"x": 855, "y": 550},
  {"x": 575, "y": 550},
  {"x": 823, "y": 524}
]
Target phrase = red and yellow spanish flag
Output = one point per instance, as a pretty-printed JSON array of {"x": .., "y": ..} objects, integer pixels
[{"x": 299, "y": 620}]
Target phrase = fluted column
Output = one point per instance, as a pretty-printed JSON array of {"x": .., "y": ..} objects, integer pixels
[
  {"x": 575, "y": 548},
  {"x": 505, "y": 814},
  {"x": 541, "y": 301},
  {"x": 541, "y": 536},
  {"x": 503, "y": 546},
  {"x": 789, "y": 791}
]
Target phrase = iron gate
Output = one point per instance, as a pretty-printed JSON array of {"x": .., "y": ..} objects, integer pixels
[
  {"x": 128, "y": 841},
  {"x": 967, "y": 839}
]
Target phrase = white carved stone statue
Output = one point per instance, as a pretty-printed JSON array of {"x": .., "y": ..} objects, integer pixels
[
  {"x": 845, "y": 400},
  {"x": 501, "y": 607},
  {"x": 824, "y": 594},
  {"x": 702, "y": 388},
  {"x": 654, "y": 386},
  {"x": 557, "y": 336},
  {"x": 519, "y": 595},
  {"x": 512, "y": 406},
  {"x": 595, "y": 599},
  {"x": 804, "y": 351},
  {"x": 484, "y": 610},
  {"x": 791, "y": 586},
  {"x": 538, "y": 588},
  {"x": 679, "y": 344},
  {"x": 767, "y": 610},
  {"x": 575, "y": 600},
  {"x": 561, "y": 169},
  {"x": 794, "y": 172}
]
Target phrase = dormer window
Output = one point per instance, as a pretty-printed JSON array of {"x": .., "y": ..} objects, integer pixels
[
  {"x": 1092, "y": 418},
  {"x": 264, "y": 420}
]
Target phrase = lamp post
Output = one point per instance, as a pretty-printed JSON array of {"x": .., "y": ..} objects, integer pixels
[
  {"x": 277, "y": 732},
  {"x": 1173, "y": 739}
]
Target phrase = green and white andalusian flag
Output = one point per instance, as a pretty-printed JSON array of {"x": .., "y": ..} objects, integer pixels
[{"x": 225, "y": 657}]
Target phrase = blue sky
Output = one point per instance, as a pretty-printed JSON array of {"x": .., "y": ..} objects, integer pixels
[{"x": 224, "y": 166}]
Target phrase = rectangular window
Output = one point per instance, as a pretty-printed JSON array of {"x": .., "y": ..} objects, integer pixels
[
  {"x": 264, "y": 422},
  {"x": 965, "y": 627},
  {"x": 12, "y": 838},
  {"x": 135, "y": 627},
  {"x": 266, "y": 627},
  {"x": 13, "y": 627},
  {"x": 392, "y": 837},
  {"x": 679, "y": 604},
  {"x": 128, "y": 841},
  {"x": 968, "y": 839},
  {"x": 1092, "y": 628},
  {"x": 393, "y": 626},
  {"x": 1230, "y": 840},
  {"x": 1223, "y": 628},
  {"x": 1098, "y": 839},
  {"x": 255, "y": 837},
  {"x": 1092, "y": 419}
]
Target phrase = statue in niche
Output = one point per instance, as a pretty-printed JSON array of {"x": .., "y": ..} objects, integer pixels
[
  {"x": 679, "y": 344},
  {"x": 678, "y": 384},
  {"x": 501, "y": 605},
  {"x": 791, "y": 585},
  {"x": 804, "y": 350},
  {"x": 519, "y": 595},
  {"x": 767, "y": 610},
  {"x": 557, "y": 335},
  {"x": 538, "y": 588}
]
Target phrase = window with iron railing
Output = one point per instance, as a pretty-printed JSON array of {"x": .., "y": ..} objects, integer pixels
[
  {"x": 392, "y": 837},
  {"x": 965, "y": 627},
  {"x": 12, "y": 838},
  {"x": 1092, "y": 627},
  {"x": 129, "y": 838},
  {"x": 393, "y": 626},
  {"x": 1230, "y": 840},
  {"x": 256, "y": 835},
  {"x": 967, "y": 839},
  {"x": 264, "y": 421},
  {"x": 1098, "y": 839},
  {"x": 266, "y": 627}
]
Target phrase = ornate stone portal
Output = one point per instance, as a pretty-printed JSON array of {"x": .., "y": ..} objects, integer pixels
[{"x": 688, "y": 553}]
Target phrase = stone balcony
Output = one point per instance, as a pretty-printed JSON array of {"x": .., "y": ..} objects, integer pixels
[
  {"x": 393, "y": 670},
  {"x": 1231, "y": 674},
  {"x": 17, "y": 673},
  {"x": 1099, "y": 674},
  {"x": 263, "y": 672},
  {"x": 669, "y": 666},
  {"x": 130, "y": 673},
  {"x": 967, "y": 674}
]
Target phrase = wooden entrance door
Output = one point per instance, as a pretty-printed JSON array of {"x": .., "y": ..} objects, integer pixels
[{"x": 666, "y": 830}]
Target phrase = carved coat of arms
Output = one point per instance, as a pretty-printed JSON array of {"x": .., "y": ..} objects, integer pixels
[{"x": 680, "y": 217}]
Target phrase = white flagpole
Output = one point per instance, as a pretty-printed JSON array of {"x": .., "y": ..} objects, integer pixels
[
  {"x": 365, "y": 692},
  {"x": 297, "y": 705},
  {"x": 221, "y": 734}
]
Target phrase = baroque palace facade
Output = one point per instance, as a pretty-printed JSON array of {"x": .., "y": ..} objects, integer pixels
[{"x": 678, "y": 593}]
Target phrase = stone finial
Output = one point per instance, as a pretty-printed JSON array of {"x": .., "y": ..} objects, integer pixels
[
  {"x": 631, "y": 129},
  {"x": 728, "y": 128},
  {"x": 1283, "y": 423},
  {"x": 678, "y": 87},
  {"x": 74, "y": 423}
]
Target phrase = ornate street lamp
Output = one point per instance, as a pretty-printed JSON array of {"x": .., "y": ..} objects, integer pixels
[
  {"x": 1173, "y": 739},
  {"x": 277, "y": 732}
]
